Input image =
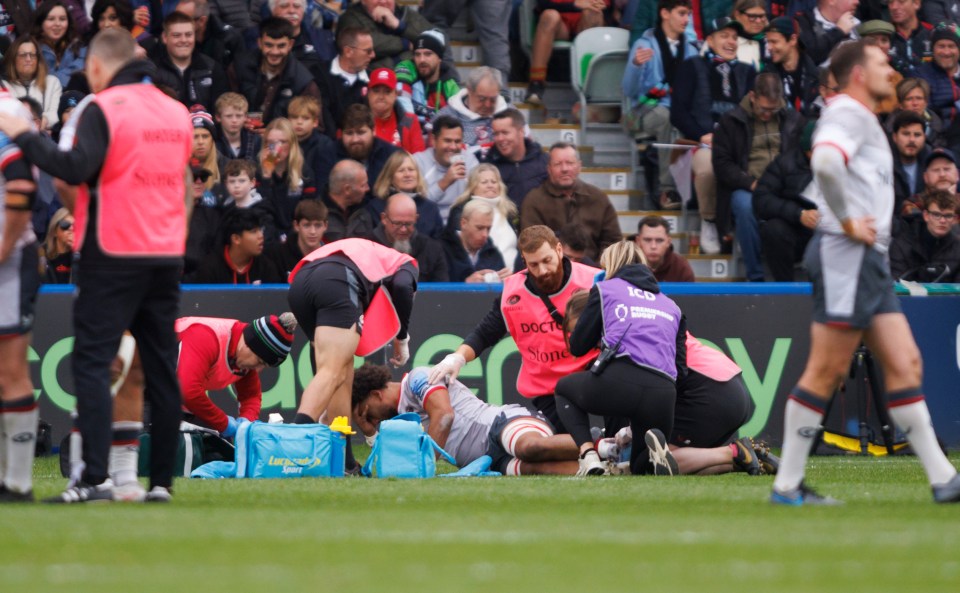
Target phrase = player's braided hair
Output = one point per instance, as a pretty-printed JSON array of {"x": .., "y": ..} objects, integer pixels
[{"x": 368, "y": 378}]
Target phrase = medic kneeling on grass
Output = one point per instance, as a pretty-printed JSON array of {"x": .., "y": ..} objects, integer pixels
[{"x": 216, "y": 353}]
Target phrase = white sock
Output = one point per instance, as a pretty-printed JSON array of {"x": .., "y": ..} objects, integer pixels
[
  {"x": 20, "y": 436},
  {"x": 3, "y": 448},
  {"x": 125, "y": 452},
  {"x": 76, "y": 453},
  {"x": 909, "y": 410},
  {"x": 801, "y": 422}
]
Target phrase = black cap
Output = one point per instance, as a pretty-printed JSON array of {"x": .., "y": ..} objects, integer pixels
[
  {"x": 782, "y": 25},
  {"x": 69, "y": 100},
  {"x": 724, "y": 22},
  {"x": 939, "y": 153}
]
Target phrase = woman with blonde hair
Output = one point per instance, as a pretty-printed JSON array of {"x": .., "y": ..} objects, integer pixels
[
  {"x": 642, "y": 333},
  {"x": 25, "y": 74},
  {"x": 713, "y": 402},
  {"x": 619, "y": 255},
  {"x": 205, "y": 147},
  {"x": 400, "y": 174},
  {"x": 284, "y": 176},
  {"x": 56, "y": 263},
  {"x": 484, "y": 183}
]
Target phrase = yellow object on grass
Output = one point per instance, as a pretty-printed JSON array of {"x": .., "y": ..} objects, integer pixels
[
  {"x": 848, "y": 443},
  {"x": 341, "y": 424}
]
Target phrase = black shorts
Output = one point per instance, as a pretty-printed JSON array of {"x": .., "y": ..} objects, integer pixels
[
  {"x": 497, "y": 447},
  {"x": 709, "y": 413},
  {"x": 327, "y": 294},
  {"x": 851, "y": 282},
  {"x": 19, "y": 283},
  {"x": 546, "y": 405}
]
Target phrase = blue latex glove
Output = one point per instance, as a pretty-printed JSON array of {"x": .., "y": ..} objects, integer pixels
[{"x": 231, "y": 428}]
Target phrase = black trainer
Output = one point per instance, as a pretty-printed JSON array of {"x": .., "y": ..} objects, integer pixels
[
  {"x": 81, "y": 492},
  {"x": 769, "y": 463},
  {"x": 670, "y": 200},
  {"x": 535, "y": 92},
  {"x": 11, "y": 496},
  {"x": 661, "y": 458},
  {"x": 746, "y": 459}
]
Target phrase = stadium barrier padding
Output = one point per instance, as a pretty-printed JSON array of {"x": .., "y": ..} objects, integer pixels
[{"x": 763, "y": 327}]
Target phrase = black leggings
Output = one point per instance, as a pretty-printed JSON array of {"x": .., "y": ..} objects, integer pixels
[
  {"x": 708, "y": 413},
  {"x": 623, "y": 389}
]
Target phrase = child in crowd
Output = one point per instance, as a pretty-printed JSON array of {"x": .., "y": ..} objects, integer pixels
[
  {"x": 68, "y": 102},
  {"x": 242, "y": 194},
  {"x": 235, "y": 141},
  {"x": 309, "y": 224},
  {"x": 319, "y": 151},
  {"x": 283, "y": 177}
]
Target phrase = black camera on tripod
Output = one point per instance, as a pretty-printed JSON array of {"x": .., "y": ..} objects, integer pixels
[{"x": 865, "y": 383}]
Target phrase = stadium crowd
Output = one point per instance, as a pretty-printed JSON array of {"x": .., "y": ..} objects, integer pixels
[
  {"x": 281, "y": 94},
  {"x": 744, "y": 87},
  {"x": 318, "y": 124}
]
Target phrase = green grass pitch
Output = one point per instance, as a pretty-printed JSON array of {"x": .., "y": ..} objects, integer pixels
[{"x": 696, "y": 534}]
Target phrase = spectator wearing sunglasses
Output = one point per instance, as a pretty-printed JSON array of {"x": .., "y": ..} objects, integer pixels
[{"x": 57, "y": 251}]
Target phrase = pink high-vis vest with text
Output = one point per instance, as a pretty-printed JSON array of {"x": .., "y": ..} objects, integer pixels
[
  {"x": 374, "y": 260},
  {"x": 220, "y": 376},
  {"x": 381, "y": 324},
  {"x": 141, "y": 210},
  {"x": 543, "y": 352}
]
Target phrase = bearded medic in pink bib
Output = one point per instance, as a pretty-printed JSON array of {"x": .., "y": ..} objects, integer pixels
[
  {"x": 352, "y": 296},
  {"x": 529, "y": 309}
]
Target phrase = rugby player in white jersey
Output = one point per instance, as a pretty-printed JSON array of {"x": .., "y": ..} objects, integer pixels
[
  {"x": 19, "y": 281},
  {"x": 520, "y": 442},
  {"x": 853, "y": 291}
]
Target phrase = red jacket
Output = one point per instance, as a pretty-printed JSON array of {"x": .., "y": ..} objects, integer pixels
[
  {"x": 401, "y": 129},
  {"x": 207, "y": 347}
]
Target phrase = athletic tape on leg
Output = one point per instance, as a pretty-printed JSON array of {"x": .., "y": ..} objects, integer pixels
[{"x": 519, "y": 427}]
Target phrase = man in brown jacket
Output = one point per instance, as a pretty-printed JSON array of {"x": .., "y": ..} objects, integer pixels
[
  {"x": 563, "y": 199},
  {"x": 653, "y": 239}
]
